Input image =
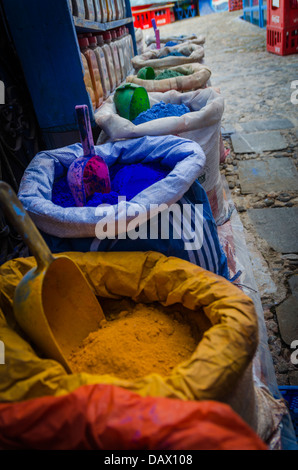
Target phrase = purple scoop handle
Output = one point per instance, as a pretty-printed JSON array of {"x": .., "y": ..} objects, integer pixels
[
  {"x": 89, "y": 173},
  {"x": 157, "y": 36},
  {"x": 85, "y": 130}
]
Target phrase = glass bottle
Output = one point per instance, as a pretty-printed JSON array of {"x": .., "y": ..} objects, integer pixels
[
  {"x": 102, "y": 66},
  {"x": 93, "y": 69}
]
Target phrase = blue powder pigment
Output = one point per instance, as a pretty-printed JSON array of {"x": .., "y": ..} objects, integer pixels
[
  {"x": 171, "y": 43},
  {"x": 161, "y": 110},
  {"x": 126, "y": 180},
  {"x": 61, "y": 195}
]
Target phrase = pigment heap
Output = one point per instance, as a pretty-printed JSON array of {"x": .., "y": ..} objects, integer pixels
[
  {"x": 171, "y": 43},
  {"x": 140, "y": 340},
  {"x": 148, "y": 73},
  {"x": 126, "y": 181},
  {"x": 161, "y": 110},
  {"x": 168, "y": 74}
]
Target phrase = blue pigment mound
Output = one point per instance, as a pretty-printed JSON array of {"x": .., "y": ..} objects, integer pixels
[
  {"x": 161, "y": 110},
  {"x": 126, "y": 180}
]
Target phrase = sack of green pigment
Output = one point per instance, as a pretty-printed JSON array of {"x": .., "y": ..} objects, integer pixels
[
  {"x": 202, "y": 125},
  {"x": 171, "y": 214},
  {"x": 191, "y": 77},
  {"x": 169, "y": 56}
]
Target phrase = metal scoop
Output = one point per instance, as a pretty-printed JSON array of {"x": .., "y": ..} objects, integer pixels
[{"x": 88, "y": 174}]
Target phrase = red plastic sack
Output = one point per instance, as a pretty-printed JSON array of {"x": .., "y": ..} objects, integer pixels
[{"x": 106, "y": 417}]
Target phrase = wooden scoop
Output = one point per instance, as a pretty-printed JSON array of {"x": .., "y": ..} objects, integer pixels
[
  {"x": 87, "y": 174},
  {"x": 53, "y": 303}
]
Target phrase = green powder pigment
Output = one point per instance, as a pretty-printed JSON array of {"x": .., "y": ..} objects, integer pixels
[
  {"x": 168, "y": 74},
  {"x": 148, "y": 73}
]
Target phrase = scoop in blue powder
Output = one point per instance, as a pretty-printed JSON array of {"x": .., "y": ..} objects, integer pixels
[
  {"x": 161, "y": 110},
  {"x": 126, "y": 181},
  {"x": 171, "y": 43}
]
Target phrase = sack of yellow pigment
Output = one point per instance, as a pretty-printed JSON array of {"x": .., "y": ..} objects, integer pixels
[{"x": 172, "y": 330}]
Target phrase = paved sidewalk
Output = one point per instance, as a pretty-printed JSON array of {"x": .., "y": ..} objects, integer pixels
[{"x": 260, "y": 127}]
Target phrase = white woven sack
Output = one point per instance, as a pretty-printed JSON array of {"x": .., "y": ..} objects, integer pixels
[
  {"x": 158, "y": 60},
  {"x": 194, "y": 76},
  {"x": 179, "y": 39},
  {"x": 202, "y": 125}
]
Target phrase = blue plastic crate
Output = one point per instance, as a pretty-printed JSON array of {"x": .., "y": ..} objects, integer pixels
[
  {"x": 290, "y": 394},
  {"x": 179, "y": 13},
  {"x": 255, "y": 12}
]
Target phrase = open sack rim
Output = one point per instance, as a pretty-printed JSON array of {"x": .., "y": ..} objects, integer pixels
[
  {"x": 206, "y": 110},
  {"x": 35, "y": 191},
  {"x": 217, "y": 364}
]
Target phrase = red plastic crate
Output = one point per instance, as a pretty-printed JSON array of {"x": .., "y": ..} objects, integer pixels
[
  {"x": 282, "y": 41},
  {"x": 172, "y": 15},
  {"x": 142, "y": 20},
  {"x": 235, "y": 5},
  {"x": 282, "y": 13},
  {"x": 162, "y": 16},
  {"x": 142, "y": 17}
]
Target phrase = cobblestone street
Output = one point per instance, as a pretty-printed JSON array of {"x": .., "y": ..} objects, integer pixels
[{"x": 260, "y": 127}]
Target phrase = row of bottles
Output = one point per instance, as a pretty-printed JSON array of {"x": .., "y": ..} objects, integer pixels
[
  {"x": 106, "y": 58},
  {"x": 101, "y": 11}
]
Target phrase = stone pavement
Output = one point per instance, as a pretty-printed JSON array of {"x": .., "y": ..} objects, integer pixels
[{"x": 260, "y": 127}]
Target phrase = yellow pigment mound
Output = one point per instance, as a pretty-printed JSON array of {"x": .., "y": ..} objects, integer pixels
[{"x": 137, "y": 341}]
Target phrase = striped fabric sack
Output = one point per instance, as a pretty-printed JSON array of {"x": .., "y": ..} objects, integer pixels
[{"x": 191, "y": 235}]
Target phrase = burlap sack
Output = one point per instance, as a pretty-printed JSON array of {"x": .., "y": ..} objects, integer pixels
[
  {"x": 191, "y": 39},
  {"x": 192, "y": 53},
  {"x": 194, "y": 76},
  {"x": 179, "y": 39},
  {"x": 139, "y": 40}
]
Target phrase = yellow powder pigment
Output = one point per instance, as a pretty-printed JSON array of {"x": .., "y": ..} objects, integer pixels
[{"x": 136, "y": 341}]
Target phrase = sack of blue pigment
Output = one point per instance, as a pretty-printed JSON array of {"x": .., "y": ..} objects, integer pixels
[
  {"x": 169, "y": 56},
  {"x": 201, "y": 122},
  {"x": 156, "y": 202},
  {"x": 168, "y": 40}
]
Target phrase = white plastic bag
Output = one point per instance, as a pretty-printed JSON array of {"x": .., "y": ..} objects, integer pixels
[
  {"x": 84, "y": 229},
  {"x": 202, "y": 125}
]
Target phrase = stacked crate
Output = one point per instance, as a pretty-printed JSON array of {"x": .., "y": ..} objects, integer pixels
[
  {"x": 282, "y": 27},
  {"x": 235, "y": 5}
]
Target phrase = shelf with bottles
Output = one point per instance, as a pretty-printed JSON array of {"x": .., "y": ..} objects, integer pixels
[
  {"x": 106, "y": 57},
  {"x": 100, "y": 15},
  {"x": 83, "y": 26},
  {"x": 45, "y": 37}
]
